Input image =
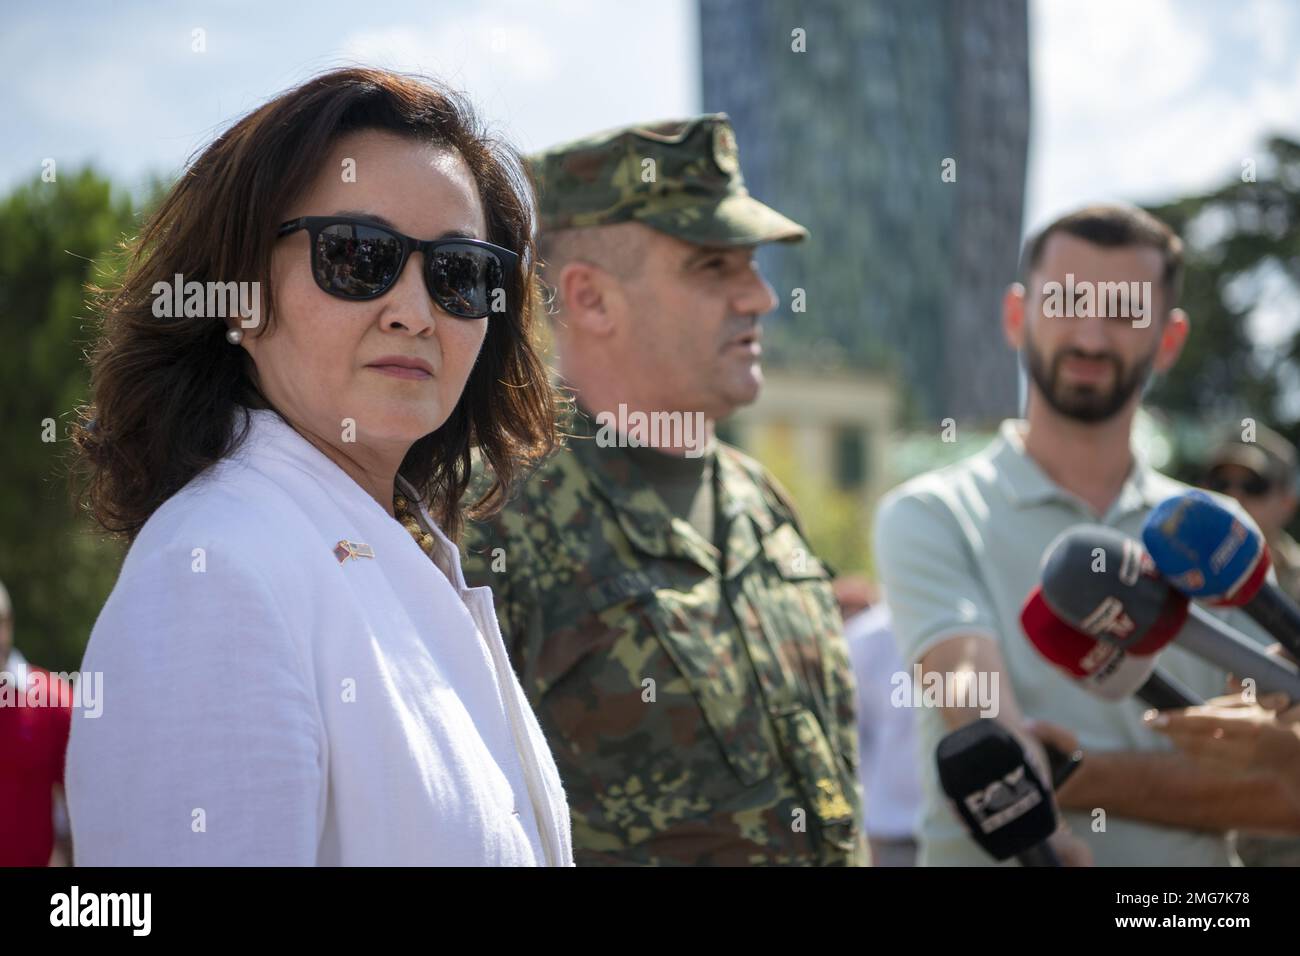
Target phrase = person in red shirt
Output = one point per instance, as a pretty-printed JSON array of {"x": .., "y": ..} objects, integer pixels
[{"x": 33, "y": 740}]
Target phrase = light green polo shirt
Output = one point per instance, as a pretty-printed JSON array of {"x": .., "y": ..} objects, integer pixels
[{"x": 958, "y": 550}]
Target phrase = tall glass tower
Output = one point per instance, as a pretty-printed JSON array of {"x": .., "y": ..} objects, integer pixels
[{"x": 897, "y": 132}]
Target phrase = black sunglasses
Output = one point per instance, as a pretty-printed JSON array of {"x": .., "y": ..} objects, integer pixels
[
  {"x": 358, "y": 259},
  {"x": 1254, "y": 486}
]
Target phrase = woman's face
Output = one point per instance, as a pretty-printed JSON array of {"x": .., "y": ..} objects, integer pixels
[{"x": 323, "y": 364}]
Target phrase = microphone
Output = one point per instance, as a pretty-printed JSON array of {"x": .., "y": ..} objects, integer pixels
[
  {"x": 1101, "y": 669},
  {"x": 1105, "y": 584},
  {"x": 1165, "y": 692},
  {"x": 1210, "y": 554},
  {"x": 997, "y": 793},
  {"x": 1211, "y": 640}
]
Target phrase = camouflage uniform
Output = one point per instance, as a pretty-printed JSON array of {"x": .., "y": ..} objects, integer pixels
[{"x": 698, "y": 699}]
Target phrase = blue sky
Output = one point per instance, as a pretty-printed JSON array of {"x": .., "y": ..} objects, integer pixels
[
  {"x": 1149, "y": 99},
  {"x": 1133, "y": 99}
]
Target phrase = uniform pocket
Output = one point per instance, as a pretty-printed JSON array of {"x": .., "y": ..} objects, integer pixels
[
  {"x": 796, "y": 603},
  {"x": 716, "y": 665},
  {"x": 699, "y": 639},
  {"x": 820, "y": 780},
  {"x": 797, "y": 608},
  {"x": 795, "y": 561}
]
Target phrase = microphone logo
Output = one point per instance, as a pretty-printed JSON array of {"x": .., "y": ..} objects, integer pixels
[
  {"x": 1004, "y": 800},
  {"x": 1189, "y": 581},
  {"x": 1109, "y": 616},
  {"x": 1130, "y": 565},
  {"x": 1230, "y": 546},
  {"x": 1101, "y": 660}
]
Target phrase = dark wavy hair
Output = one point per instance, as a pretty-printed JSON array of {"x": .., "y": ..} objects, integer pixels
[
  {"x": 1113, "y": 225},
  {"x": 165, "y": 392}
]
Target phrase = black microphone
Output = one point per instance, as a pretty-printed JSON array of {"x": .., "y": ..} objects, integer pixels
[
  {"x": 1165, "y": 692},
  {"x": 997, "y": 793}
]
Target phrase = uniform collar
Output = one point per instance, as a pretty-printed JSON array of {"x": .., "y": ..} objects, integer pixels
[
  {"x": 641, "y": 513},
  {"x": 1026, "y": 484},
  {"x": 270, "y": 437},
  {"x": 740, "y": 494}
]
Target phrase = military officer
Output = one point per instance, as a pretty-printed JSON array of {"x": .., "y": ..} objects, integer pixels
[{"x": 670, "y": 624}]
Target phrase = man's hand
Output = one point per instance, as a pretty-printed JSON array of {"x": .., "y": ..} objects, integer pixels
[
  {"x": 1036, "y": 733},
  {"x": 1273, "y": 650},
  {"x": 1069, "y": 848},
  {"x": 1044, "y": 732},
  {"x": 1238, "y": 737}
]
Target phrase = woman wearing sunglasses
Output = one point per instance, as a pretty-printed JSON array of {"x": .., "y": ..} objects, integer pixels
[{"x": 294, "y": 671}]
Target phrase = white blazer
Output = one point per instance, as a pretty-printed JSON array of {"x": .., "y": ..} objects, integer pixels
[{"x": 265, "y": 702}]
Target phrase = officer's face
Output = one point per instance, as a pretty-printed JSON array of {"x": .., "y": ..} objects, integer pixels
[{"x": 694, "y": 326}]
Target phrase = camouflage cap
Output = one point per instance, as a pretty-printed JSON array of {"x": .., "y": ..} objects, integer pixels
[{"x": 681, "y": 177}]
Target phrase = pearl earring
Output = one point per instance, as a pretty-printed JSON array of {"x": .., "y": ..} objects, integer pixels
[{"x": 235, "y": 336}]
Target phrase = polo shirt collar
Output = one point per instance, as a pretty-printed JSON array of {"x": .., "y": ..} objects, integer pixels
[{"x": 1026, "y": 484}]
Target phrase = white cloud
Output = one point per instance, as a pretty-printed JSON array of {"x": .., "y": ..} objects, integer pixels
[
  {"x": 121, "y": 87},
  {"x": 478, "y": 51},
  {"x": 1271, "y": 25},
  {"x": 1131, "y": 100},
  {"x": 546, "y": 75}
]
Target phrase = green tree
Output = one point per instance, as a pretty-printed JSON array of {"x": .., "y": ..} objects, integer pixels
[
  {"x": 55, "y": 238},
  {"x": 1242, "y": 242}
]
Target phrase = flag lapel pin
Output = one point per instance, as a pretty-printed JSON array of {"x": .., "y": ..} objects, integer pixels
[{"x": 352, "y": 549}]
